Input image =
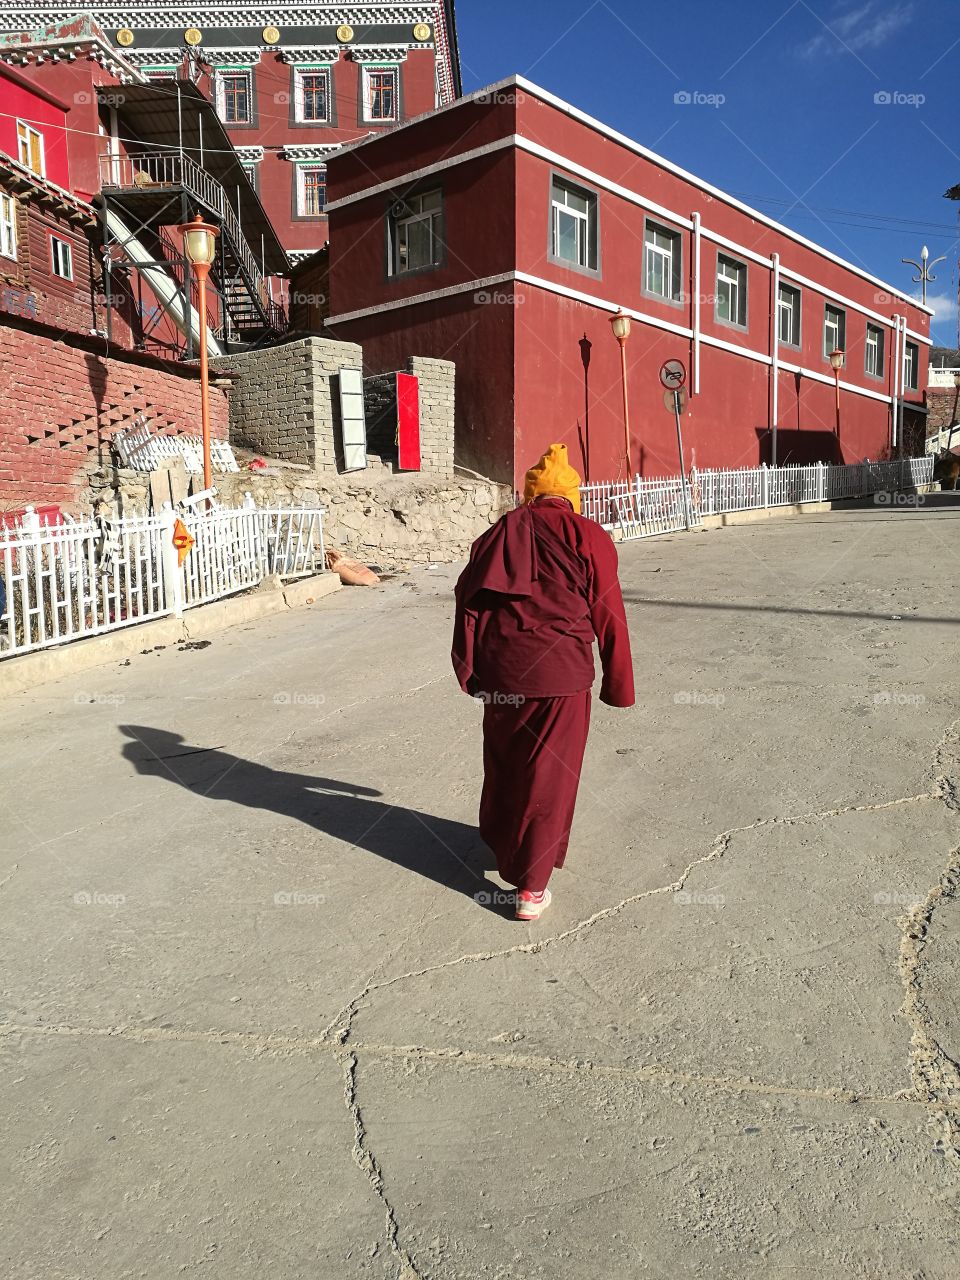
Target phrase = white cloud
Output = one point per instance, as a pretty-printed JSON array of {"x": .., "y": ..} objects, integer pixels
[
  {"x": 867, "y": 26},
  {"x": 944, "y": 322}
]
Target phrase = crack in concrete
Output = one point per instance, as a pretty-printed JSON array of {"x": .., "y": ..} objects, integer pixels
[
  {"x": 13, "y": 871},
  {"x": 341, "y": 1025},
  {"x": 369, "y": 1166},
  {"x": 934, "y": 1073}
]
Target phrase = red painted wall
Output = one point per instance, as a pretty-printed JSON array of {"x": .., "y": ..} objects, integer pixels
[
  {"x": 78, "y": 399},
  {"x": 727, "y": 424},
  {"x": 275, "y": 127},
  {"x": 19, "y": 102}
]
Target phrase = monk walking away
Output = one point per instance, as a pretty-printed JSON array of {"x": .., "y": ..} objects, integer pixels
[{"x": 541, "y": 586}]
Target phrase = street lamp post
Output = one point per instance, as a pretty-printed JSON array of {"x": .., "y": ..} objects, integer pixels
[
  {"x": 836, "y": 361},
  {"x": 620, "y": 324},
  {"x": 923, "y": 266},
  {"x": 200, "y": 246}
]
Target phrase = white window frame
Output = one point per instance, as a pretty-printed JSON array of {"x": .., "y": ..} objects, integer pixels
[
  {"x": 317, "y": 69},
  {"x": 736, "y": 284},
  {"x": 873, "y": 343},
  {"x": 790, "y": 308},
  {"x": 417, "y": 214},
  {"x": 61, "y": 257},
  {"x": 587, "y": 224},
  {"x": 8, "y": 226},
  {"x": 379, "y": 69},
  {"x": 670, "y": 260},
  {"x": 25, "y": 133},
  {"x": 220, "y": 76},
  {"x": 911, "y": 367},
  {"x": 839, "y": 326},
  {"x": 302, "y": 170}
]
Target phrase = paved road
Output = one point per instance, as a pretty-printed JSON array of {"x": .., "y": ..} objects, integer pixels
[{"x": 256, "y": 1022}]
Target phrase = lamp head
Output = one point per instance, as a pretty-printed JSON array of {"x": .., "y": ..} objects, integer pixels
[
  {"x": 620, "y": 323},
  {"x": 199, "y": 241},
  {"x": 836, "y": 359}
]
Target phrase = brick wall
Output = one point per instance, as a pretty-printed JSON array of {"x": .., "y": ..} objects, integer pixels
[
  {"x": 60, "y": 402},
  {"x": 436, "y": 380},
  {"x": 285, "y": 400}
]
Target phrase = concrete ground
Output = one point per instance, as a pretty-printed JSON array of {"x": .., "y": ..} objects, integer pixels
[{"x": 262, "y": 1018}]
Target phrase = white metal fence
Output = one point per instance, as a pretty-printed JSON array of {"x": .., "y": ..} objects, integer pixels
[
  {"x": 642, "y": 508},
  {"x": 64, "y": 581}
]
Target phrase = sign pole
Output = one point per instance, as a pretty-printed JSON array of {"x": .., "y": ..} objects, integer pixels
[{"x": 683, "y": 469}]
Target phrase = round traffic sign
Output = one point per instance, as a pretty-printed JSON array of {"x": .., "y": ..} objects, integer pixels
[
  {"x": 673, "y": 400},
  {"x": 673, "y": 374}
]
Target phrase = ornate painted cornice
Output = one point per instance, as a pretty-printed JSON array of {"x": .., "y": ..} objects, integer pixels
[
  {"x": 373, "y": 53},
  {"x": 307, "y": 53},
  {"x": 309, "y": 151},
  {"x": 249, "y": 155},
  {"x": 220, "y": 57}
]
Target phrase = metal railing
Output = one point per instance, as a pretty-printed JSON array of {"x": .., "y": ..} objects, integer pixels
[
  {"x": 642, "y": 508},
  {"x": 70, "y": 579},
  {"x": 143, "y": 171}
]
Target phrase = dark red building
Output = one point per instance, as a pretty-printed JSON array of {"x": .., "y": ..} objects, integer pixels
[
  {"x": 290, "y": 86},
  {"x": 503, "y": 232}
]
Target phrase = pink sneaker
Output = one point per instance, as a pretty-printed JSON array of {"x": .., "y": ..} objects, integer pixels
[{"x": 531, "y": 906}]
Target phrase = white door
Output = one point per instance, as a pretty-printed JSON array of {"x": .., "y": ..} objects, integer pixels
[{"x": 352, "y": 420}]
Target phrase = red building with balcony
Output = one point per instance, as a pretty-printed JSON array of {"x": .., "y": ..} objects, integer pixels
[
  {"x": 290, "y": 86},
  {"x": 504, "y": 231}
]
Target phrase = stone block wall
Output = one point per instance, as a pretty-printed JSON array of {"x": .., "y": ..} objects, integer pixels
[
  {"x": 943, "y": 404},
  {"x": 437, "y": 383},
  {"x": 285, "y": 400}
]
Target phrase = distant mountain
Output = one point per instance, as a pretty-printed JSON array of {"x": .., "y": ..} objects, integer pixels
[{"x": 944, "y": 358}]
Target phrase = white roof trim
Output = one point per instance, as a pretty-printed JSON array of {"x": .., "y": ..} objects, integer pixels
[{"x": 520, "y": 82}]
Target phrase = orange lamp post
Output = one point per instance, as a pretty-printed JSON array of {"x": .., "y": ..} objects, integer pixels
[
  {"x": 620, "y": 323},
  {"x": 200, "y": 246},
  {"x": 836, "y": 361}
]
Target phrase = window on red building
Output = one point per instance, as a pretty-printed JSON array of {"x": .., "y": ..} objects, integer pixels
[
  {"x": 731, "y": 291},
  {"x": 234, "y": 92},
  {"x": 30, "y": 148},
  {"x": 416, "y": 234},
  {"x": 8, "y": 226},
  {"x": 61, "y": 257},
  {"x": 788, "y": 315},
  {"x": 381, "y": 87},
  {"x": 911, "y": 366},
  {"x": 662, "y": 262},
  {"x": 873, "y": 351},
  {"x": 311, "y": 189},
  {"x": 312, "y": 95},
  {"x": 574, "y": 225},
  {"x": 834, "y": 330}
]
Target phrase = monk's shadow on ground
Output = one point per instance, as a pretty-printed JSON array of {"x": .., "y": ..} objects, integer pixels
[{"x": 447, "y": 852}]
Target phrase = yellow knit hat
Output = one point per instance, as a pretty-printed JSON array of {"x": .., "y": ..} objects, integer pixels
[{"x": 553, "y": 475}]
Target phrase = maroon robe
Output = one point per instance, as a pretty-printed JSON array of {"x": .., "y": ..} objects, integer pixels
[{"x": 540, "y": 587}]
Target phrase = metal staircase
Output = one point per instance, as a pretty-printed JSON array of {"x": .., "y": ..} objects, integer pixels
[{"x": 159, "y": 190}]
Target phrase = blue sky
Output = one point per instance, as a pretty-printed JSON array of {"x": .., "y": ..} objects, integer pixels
[{"x": 838, "y": 119}]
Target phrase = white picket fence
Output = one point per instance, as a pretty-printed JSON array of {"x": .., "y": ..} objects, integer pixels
[
  {"x": 71, "y": 579},
  {"x": 641, "y": 508}
]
